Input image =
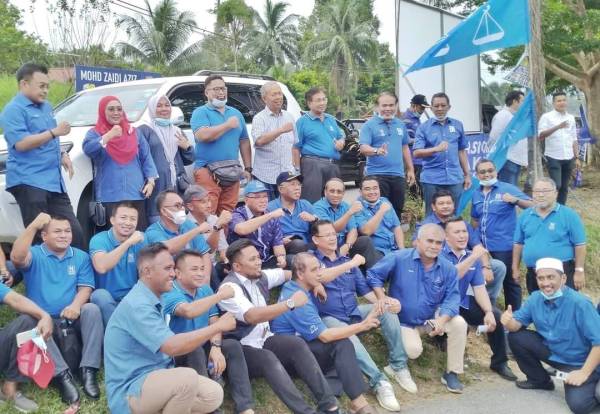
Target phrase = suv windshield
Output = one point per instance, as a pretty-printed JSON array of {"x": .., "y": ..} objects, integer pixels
[{"x": 82, "y": 109}]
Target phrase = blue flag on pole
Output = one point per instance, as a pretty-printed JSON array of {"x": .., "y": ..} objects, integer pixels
[
  {"x": 494, "y": 25},
  {"x": 520, "y": 127}
]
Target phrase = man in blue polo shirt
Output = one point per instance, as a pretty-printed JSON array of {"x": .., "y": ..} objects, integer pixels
[
  {"x": 220, "y": 132},
  {"x": 427, "y": 287},
  {"x": 412, "y": 119},
  {"x": 33, "y": 174},
  {"x": 298, "y": 213},
  {"x": 378, "y": 219},
  {"x": 320, "y": 141},
  {"x": 343, "y": 216},
  {"x": 566, "y": 336},
  {"x": 494, "y": 214},
  {"x": 330, "y": 346},
  {"x": 384, "y": 141},
  {"x": 139, "y": 348},
  {"x": 549, "y": 229},
  {"x": 59, "y": 279},
  {"x": 475, "y": 305},
  {"x": 441, "y": 143},
  {"x": 113, "y": 254},
  {"x": 191, "y": 305}
]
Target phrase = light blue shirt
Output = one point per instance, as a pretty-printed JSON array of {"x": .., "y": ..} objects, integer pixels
[
  {"x": 4, "y": 290},
  {"x": 316, "y": 137},
  {"x": 157, "y": 232},
  {"x": 383, "y": 238},
  {"x": 134, "y": 335},
  {"x": 291, "y": 223},
  {"x": 179, "y": 295},
  {"x": 325, "y": 211},
  {"x": 376, "y": 132}
]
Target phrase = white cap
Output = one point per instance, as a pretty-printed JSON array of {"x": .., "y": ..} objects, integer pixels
[{"x": 549, "y": 263}]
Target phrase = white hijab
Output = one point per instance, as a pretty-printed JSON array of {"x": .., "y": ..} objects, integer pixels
[{"x": 167, "y": 135}]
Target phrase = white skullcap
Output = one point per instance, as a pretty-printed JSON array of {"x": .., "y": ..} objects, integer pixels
[{"x": 549, "y": 263}]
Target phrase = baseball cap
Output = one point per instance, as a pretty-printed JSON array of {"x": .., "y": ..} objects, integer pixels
[
  {"x": 194, "y": 192},
  {"x": 255, "y": 186},
  {"x": 549, "y": 263},
  {"x": 287, "y": 176},
  {"x": 419, "y": 100},
  {"x": 35, "y": 364}
]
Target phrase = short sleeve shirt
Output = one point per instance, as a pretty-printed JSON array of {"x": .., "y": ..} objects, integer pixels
[
  {"x": 383, "y": 238},
  {"x": 376, "y": 132},
  {"x": 178, "y": 295},
  {"x": 291, "y": 223},
  {"x": 316, "y": 137},
  {"x": 4, "y": 290},
  {"x": 157, "y": 232},
  {"x": 559, "y": 145},
  {"x": 325, "y": 211},
  {"x": 264, "y": 238},
  {"x": 472, "y": 278}
]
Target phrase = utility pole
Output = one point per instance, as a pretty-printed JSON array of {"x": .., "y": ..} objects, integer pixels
[{"x": 537, "y": 79}]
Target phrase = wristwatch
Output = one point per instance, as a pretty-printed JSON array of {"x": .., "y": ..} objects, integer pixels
[
  {"x": 290, "y": 304},
  {"x": 216, "y": 228},
  {"x": 216, "y": 344},
  {"x": 248, "y": 169}
]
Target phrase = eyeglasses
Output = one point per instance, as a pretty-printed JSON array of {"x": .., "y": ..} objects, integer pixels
[
  {"x": 264, "y": 195},
  {"x": 328, "y": 235},
  {"x": 219, "y": 89},
  {"x": 178, "y": 206},
  {"x": 543, "y": 191},
  {"x": 488, "y": 171}
]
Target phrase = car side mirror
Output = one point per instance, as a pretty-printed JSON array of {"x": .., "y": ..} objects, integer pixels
[{"x": 177, "y": 117}]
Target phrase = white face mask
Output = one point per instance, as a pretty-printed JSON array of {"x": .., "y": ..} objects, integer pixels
[
  {"x": 178, "y": 217},
  {"x": 442, "y": 118},
  {"x": 488, "y": 183},
  {"x": 218, "y": 103}
]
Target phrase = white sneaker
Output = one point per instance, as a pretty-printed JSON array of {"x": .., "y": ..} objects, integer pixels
[
  {"x": 386, "y": 397},
  {"x": 403, "y": 378}
]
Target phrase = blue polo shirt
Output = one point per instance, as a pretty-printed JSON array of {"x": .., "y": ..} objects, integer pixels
[
  {"x": 316, "y": 137},
  {"x": 303, "y": 321},
  {"x": 421, "y": 292},
  {"x": 442, "y": 168},
  {"x": 497, "y": 219},
  {"x": 291, "y": 223},
  {"x": 474, "y": 238},
  {"x": 121, "y": 278},
  {"x": 325, "y": 211},
  {"x": 132, "y": 340},
  {"x": 569, "y": 325},
  {"x": 179, "y": 295},
  {"x": 383, "y": 238},
  {"x": 227, "y": 146},
  {"x": 341, "y": 300},
  {"x": 4, "y": 290},
  {"x": 157, "y": 232},
  {"x": 556, "y": 235},
  {"x": 472, "y": 278},
  {"x": 376, "y": 132},
  {"x": 38, "y": 167},
  {"x": 52, "y": 282}
]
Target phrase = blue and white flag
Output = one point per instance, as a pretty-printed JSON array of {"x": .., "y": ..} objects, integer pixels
[
  {"x": 494, "y": 25},
  {"x": 521, "y": 126}
]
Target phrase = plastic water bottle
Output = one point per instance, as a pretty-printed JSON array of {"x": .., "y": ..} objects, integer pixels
[
  {"x": 578, "y": 179},
  {"x": 213, "y": 376}
]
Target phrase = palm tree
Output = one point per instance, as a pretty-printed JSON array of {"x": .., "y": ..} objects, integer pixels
[
  {"x": 275, "y": 37},
  {"x": 158, "y": 36},
  {"x": 346, "y": 42}
]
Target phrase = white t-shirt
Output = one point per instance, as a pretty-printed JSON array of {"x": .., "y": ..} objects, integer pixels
[
  {"x": 517, "y": 153},
  {"x": 559, "y": 145}
]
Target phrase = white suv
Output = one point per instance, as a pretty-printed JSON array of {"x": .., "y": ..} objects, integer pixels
[{"x": 81, "y": 111}]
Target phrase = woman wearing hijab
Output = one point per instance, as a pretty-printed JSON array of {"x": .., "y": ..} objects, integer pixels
[
  {"x": 170, "y": 149},
  {"x": 123, "y": 167}
]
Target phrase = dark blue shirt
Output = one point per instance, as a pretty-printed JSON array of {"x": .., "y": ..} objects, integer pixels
[
  {"x": 179, "y": 295},
  {"x": 316, "y": 137},
  {"x": 420, "y": 292},
  {"x": 412, "y": 121},
  {"x": 341, "y": 300},
  {"x": 376, "y": 132},
  {"x": 497, "y": 218},
  {"x": 474, "y": 238},
  {"x": 157, "y": 232},
  {"x": 442, "y": 168},
  {"x": 39, "y": 167},
  {"x": 291, "y": 223},
  {"x": 569, "y": 325},
  {"x": 472, "y": 278},
  {"x": 325, "y": 211},
  {"x": 383, "y": 238},
  {"x": 264, "y": 238}
]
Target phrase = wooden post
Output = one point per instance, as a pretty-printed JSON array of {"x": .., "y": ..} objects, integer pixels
[{"x": 537, "y": 79}]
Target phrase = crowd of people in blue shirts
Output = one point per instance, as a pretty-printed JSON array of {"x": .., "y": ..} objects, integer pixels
[{"x": 173, "y": 294}]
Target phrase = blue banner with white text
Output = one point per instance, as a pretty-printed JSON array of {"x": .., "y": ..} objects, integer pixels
[{"x": 87, "y": 77}]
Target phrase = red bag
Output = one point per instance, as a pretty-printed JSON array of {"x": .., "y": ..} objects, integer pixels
[{"x": 35, "y": 364}]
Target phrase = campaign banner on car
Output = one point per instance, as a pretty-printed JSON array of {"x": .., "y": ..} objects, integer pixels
[{"x": 87, "y": 77}]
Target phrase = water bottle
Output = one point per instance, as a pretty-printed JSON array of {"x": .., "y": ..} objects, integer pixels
[
  {"x": 578, "y": 181},
  {"x": 214, "y": 376}
]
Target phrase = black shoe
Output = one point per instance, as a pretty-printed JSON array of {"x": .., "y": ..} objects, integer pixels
[
  {"x": 69, "y": 393},
  {"x": 526, "y": 385},
  {"x": 505, "y": 372},
  {"x": 89, "y": 382}
]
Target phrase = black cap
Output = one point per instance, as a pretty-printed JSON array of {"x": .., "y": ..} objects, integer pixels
[
  {"x": 419, "y": 100},
  {"x": 288, "y": 176}
]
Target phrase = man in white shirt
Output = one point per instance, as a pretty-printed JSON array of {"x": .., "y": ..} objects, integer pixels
[
  {"x": 267, "y": 355},
  {"x": 558, "y": 129},
  {"x": 517, "y": 154}
]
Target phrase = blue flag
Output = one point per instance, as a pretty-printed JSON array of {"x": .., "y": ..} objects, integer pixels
[
  {"x": 585, "y": 135},
  {"x": 521, "y": 126},
  {"x": 495, "y": 24}
]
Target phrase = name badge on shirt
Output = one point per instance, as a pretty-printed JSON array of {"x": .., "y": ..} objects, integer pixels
[
  {"x": 330, "y": 128},
  {"x": 498, "y": 197},
  {"x": 313, "y": 328},
  {"x": 130, "y": 258},
  {"x": 399, "y": 131},
  {"x": 551, "y": 226},
  {"x": 451, "y": 128},
  {"x": 71, "y": 270},
  {"x": 382, "y": 132}
]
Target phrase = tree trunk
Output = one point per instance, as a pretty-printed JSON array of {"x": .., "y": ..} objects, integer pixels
[
  {"x": 537, "y": 78},
  {"x": 592, "y": 98}
]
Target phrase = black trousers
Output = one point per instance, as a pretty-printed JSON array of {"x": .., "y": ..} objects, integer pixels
[
  {"x": 393, "y": 187},
  {"x": 316, "y": 172},
  {"x": 236, "y": 371},
  {"x": 416, "y": 191},
  {"x": 529, "y": 351},
  {"x": 285, "y": 355},
  {"x": 33, "y": 201},
  {"x": 340, "y": 356},
  {"x": 568, "y": 267},
  {"x": 364, "y": 246},
  {"x": 497, "y": 340},
  {"x": 512, "y": 289},
  {"x": 8, "y": 347},
  {"x": 560, "y": 171}
]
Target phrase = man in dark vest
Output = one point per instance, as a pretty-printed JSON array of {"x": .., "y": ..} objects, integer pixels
[{"x": 267, "y": 355}]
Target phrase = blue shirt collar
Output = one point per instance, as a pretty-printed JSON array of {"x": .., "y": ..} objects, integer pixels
[
  {"x": 555, "y": 208},
  {"x": 212, "y": 108},
  {"x": 159, "y": 223},
  {"x": 180, "y": 288},
  {"x": 314, "y": 117},
  {"x": 412, "y": 114},
  {"x": 48, "y": 253},
  {"x": 148, "y": 294},
  {"x": 416, "y": 256},
  {"x": 25, "y": 101}
]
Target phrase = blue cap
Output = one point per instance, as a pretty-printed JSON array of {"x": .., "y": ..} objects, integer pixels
[
  {"x": 288, "y": 176},
  {"x": 255, "y": 186}
]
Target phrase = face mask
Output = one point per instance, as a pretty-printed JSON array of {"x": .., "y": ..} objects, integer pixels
[
  {"x": 162, "y": 122},
  {"x": 553, "y": 296},
  {"x": 178, "y": 217},
  {"x": 488, "y": 183},
  {"x": 218, "y": 103},
  {"x": 441, "y": 118}
]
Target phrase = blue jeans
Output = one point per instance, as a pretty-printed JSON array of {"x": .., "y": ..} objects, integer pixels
[
  {"x": 509, "y": 173},
  {"x": 494, "y": 288},
  {"x": 390, "y": 325},
  {"x": 430, "y": 189},
  {"x": 104, "y": 300}
]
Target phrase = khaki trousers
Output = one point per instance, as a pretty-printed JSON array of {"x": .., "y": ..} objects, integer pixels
[
  {"x": 456, "y": 328},
  {"x": 177, "y": 391}
]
